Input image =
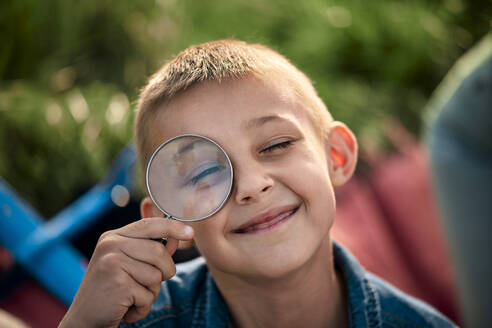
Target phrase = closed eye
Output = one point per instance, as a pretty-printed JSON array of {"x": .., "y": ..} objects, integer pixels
[
  {"x": 209, "y": 174},
  {"x": 279, "y": 145}
]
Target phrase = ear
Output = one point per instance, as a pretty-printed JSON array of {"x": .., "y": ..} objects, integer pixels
[
  {"x": 342, "y": 152},
  {"x": 148, "y": 209}
]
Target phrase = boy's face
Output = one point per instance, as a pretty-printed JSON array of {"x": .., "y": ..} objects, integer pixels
[{"x": 281, "y": 175}]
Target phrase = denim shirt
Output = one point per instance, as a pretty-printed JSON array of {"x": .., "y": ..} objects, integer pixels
[{"x": 191, "y": 299}]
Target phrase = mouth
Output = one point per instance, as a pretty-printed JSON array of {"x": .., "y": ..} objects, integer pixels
[{"x": 268, "y": 220}]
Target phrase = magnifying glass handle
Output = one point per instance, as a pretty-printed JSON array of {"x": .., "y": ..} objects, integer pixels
[{"x": 163, "y": 241}]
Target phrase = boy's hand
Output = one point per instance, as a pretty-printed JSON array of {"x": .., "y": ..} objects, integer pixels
[{"x": 125, "y": 272}]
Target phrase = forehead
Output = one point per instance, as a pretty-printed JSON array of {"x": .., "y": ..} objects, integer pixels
[{"x": 231, "y": 109}]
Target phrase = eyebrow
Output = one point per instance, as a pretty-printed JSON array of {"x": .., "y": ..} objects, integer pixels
[
  {"x": 258, "y": 122},
  {"x": 189, "y": 146}
]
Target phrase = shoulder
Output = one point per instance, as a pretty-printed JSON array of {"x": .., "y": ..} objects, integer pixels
[
  {"x": 398, "y": 309},
  {"x": 374, "y": 302},
  {"x": 174, "y": 307}
]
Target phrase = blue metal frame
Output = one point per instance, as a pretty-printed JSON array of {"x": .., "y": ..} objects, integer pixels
[{"x": 41, "y": 246}]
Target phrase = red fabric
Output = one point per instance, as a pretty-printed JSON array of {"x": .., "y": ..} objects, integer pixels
[
  {"x": 389, "y": 222},
  {"x": 5, "y": 259},
  {"x": 30, "y": 302},
  {"x": 35, "y": 306}
]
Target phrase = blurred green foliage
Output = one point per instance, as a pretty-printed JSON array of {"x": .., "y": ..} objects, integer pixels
[{"x": 70, "y": 70}]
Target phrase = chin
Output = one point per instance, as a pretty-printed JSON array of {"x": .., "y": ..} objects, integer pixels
[
  {"x": 279, "y": 263},
  {"x": 276, "y": 257},
  {"x": 278, "y": 270}
]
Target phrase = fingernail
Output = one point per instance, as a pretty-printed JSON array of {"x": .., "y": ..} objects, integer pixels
[{"x": 188, "y": 230}]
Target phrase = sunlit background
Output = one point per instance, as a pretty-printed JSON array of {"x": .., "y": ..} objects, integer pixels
[{"x": 70, "y": 70}]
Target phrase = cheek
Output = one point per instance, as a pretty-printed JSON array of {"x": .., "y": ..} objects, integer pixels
[
  {"x": 209, "y": 233},
  {"x": 313, "y": 185},
  {"x": 311, "y": 178}
]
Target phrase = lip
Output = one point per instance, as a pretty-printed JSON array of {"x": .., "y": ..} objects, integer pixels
[{"x": 273, "y": 216}]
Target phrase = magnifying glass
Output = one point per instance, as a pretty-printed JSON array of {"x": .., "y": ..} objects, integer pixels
[{"x": 189, "y": 177}]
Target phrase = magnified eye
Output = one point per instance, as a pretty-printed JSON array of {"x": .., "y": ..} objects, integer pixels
[
  {"x": 189, "y": 177},
  {"x": 210, "y": 174}
]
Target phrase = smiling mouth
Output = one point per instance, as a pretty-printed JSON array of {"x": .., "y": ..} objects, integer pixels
[{"x": 269, "y": 223}]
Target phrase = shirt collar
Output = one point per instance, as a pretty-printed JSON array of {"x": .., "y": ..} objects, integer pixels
[
  {"x": 211, "y": 310},
  {"x": 363, "y": 299}
]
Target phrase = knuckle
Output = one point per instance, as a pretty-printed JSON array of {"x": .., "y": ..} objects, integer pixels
[
  {"x": 107, "y": 242},
  {"x": 105, "y": 234},
  {"x": 111, "y": 261},
  {"x": 121, "y": 280}
]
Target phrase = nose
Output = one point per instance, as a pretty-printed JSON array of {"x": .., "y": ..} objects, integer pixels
[{"x": 251, "y": 183}]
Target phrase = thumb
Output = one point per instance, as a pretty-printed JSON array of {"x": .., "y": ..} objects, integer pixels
[{"x": 172, "y": 245}]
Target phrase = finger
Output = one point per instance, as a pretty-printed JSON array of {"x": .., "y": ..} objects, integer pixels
[
  {"x": 154, "y": 228},
  {"x": 145, "y": 274},
  {"x": 148, "y": 251},
  {"x": 142, "y": 301},
  {"x": 172, "y": 245},
  {"x": 185, "y": 244}
]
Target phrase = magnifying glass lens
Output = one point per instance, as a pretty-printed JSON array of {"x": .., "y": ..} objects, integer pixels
[{"x": 189, "y": 177}]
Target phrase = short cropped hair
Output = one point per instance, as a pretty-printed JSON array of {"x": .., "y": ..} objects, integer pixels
[{"x": 217, "y": 61}]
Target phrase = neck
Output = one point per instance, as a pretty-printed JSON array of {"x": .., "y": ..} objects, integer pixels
[{"x": 312, "y": 296}]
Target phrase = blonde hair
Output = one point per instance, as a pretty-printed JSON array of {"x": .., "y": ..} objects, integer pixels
[{"x": 217, "y": 61}]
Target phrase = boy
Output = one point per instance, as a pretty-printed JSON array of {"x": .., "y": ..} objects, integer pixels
[{"x": 268, "y": 260}]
